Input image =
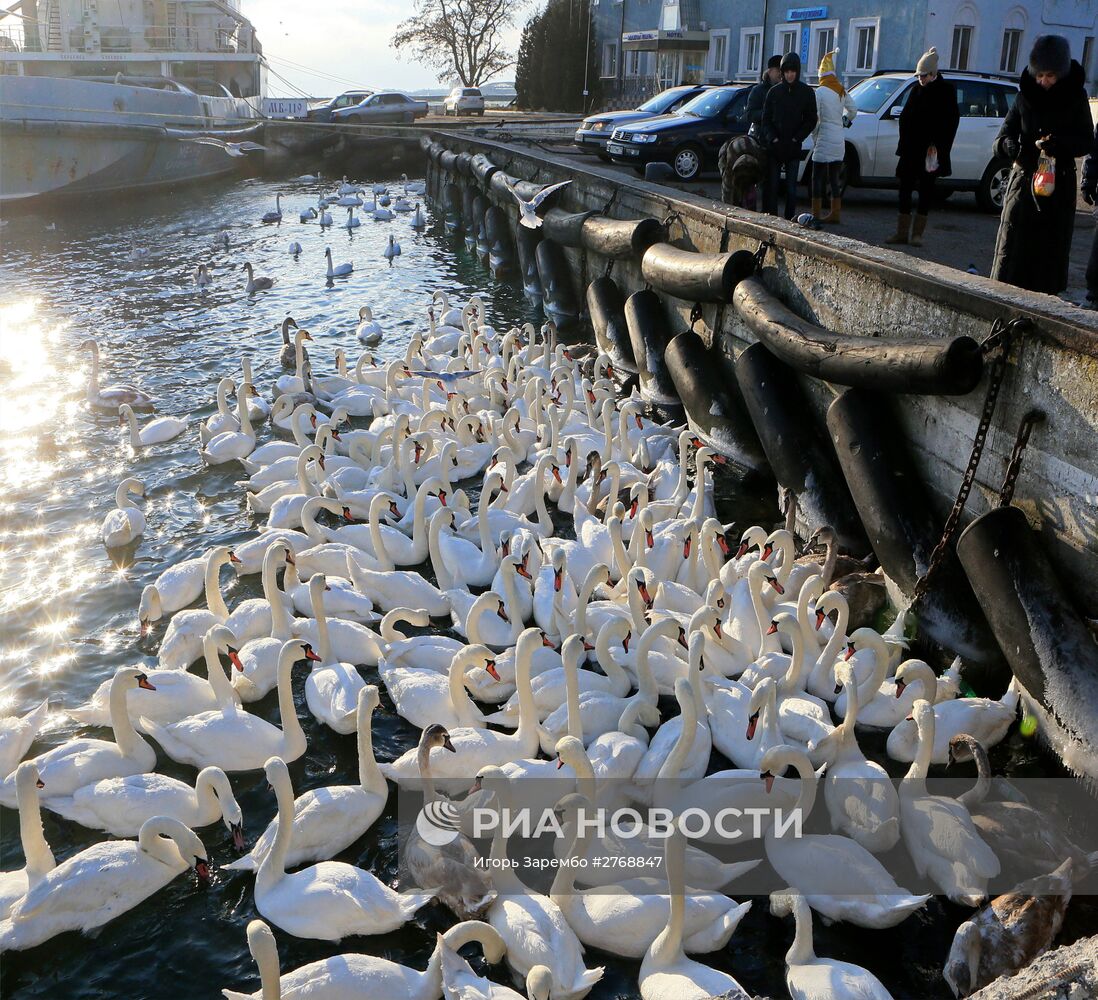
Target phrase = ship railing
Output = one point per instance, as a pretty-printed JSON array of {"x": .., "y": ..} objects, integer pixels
[{"x": 25, "y": 35}]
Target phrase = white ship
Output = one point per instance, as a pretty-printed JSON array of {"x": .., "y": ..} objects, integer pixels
[{"x": 103, "y": 95}]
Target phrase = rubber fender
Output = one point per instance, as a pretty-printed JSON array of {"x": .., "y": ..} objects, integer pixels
[
  {"x": 706, "y": 383},
  {"x": 482, "y": 169},
  {"x": 649, "y": 335},
  {"x": 558, "y": 295},
  {"x": 1043, "y": 638},
  {"x": 453, "y": 208},
  {"x": 896, "y": 512},
  {"x": 798, "y": 447},
  {"x": 480, "y": 207},
  {"x": 606, "y": 307},
  {"x": 527, "y": 242},
  {"x": 693, "y": 277},
  {"x": 468, "y": 219},
  {"x": 448, "y": 161},
  {"x": 621, "y": 238},
  {"x": 564, "y": 228},
  {"x": 501, "y": 251},
  {"x": 499, "y": 184},
  {"x": 464, "y": 164},
  {"x": 903, "y": 365}
]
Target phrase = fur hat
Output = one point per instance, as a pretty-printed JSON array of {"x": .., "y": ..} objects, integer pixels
[
  {"x": 791, "y": 61},
  {"x": 775, "y": 62},
  {"x": 1050, "y": 54},
  {"x": 928, "y": 62}
]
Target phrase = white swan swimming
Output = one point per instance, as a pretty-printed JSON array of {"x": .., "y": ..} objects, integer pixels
[
  {"x": 183, "y": 640},
  {"x": 368, "y": 331},
  {"x": 126, "y": 522},
  {"x": 327, "y": 901},
  {"x": 338, "y": 270},
  {"x": 229, "y": 445},
  {"x": 102, "y": 882},
  {"x": 17, "y": 733},
  {"x": 83, "y": 760},
  {"x": 392, "y": 248},
  {"x": 276, "y": 215},
  {"x": 332, "y": 687},
  {"x": 154, "y": 432},
  {"x": 112, "y": 396},
  {"x": 328, "y": 819},
  {"x": 254, "y": 284},
  {"x": 37, "y": 856},
  {"x": 422, "y": 696}
]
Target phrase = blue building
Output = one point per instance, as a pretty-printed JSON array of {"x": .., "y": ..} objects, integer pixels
[{"x": 647, "y": 45}]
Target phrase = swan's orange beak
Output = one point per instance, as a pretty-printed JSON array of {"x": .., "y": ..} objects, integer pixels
[
  {"x": 768, "y": 551},
  {"x": 642, "y": 587},
  {"x": 773, "y": 628},
  {"x": 310, "y": 655},
  {"x": 625, "y": 642},
  {"x": 556, "y": 475},
  {"x": 718, "y": 629},
  {"x": 143, "y": 682},
  {"x": 849, "y": 651},
  {"x": 682, "y": 638},
  {"x": 560, "y": 763},
  {"x": 234, "y": 659},
  {"x": 820, "y": 616},
  {"x": 900, "y": 685},
  {"x": 490, "y": 666},
  {"x": 202, "y": 870},
  {"x": 502, "y": 612},
  {"x": 752, "y": 723},
  {"x": 777, "y": 586},
  {"x": 546, "y": 641},
  {"x": 649, "y": 540},
  {"x": 233, "y": 558},
  {"x": 722, "y": 542},
  {"x": 523, "y": 571},
  {"x": 769, "y": 779},
  {"x": 686, "y": 548},
  {"x": 558, "y": 579},
  {"x": 633, "y": 509}
]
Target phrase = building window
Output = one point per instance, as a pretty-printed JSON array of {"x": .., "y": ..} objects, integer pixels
[
  {"x": 1008, "y": 58},
  {"x": 718, "y": 54},
  {"x": 962, "y": 46},
  {"x": 787, "y": 40},
  {"x": 822, "y": 41},
  {"x": 1088, "y": 52},
  {"x": 862, "y": 55},
  {"x": 751, "y": 52},
  {"x": 610, "y": 59},
  {"x": 632, "y": 63}
]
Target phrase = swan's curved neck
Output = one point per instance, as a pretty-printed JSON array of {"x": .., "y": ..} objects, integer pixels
[
  {"x": 125, "y": 735},
  {"x": 135, "y": 434},
  {"x": 667, "y": 948},
  {"x": 442, "y": 574},
  {"x": 679, "y": 754},
  {"x": 801, "y": 952},
  {"x": 564, "y": 882},
  {"x": 323, "y": 637},
  {"x": 504, "y": 877},
  {"x": 872, "y": 683},
  {"x": 154, "y": 842},
  {"x": 36, "y": 850},
  {"x": 528, "y": 712},
  {"x": 699, "y": 495},
  {"x": 459, "y": 695},
  {"x": 793, "y": 681},
  {"x": 572, "y": 697},
  {"x": 377, "y": 536},
  {"x": 273, "y": 867},
  {"x": 214, "y": 601},
  {"x": 827, "y": 658},
  {"x": 122, "y": 494},
  {"x": 369, "y": 774},
  {"x": 920, "y": 766},
  {"x": 426, "y": 779},
  {"x": 806, "y": 797},
  {"x": 215, "y": 673},
  {"x": 293, "y": 736}
]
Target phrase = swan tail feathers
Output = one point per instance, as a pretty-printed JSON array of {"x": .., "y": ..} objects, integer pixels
[
  {"x": 410, "y": 902},
  {"x": 233, "y": 995},
  {"x": 244, "y": 864},
  {"x": 504, "y": 717},
  {"x": 590, "y": 977},
  {"x": 734, "y": 871},
  {"x": 89, "y": 714}
]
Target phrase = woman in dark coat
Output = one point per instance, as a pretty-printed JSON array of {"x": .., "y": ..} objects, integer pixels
[{"x": 1051, "y": 114}]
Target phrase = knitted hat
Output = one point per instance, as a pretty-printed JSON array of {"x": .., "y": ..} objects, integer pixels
[
  {"x": 1050, "y": 54},
  {"x": 775, "y": 62},
  {"x": 928, "y": 62},
  {"x": 827, "y": 63},
  {"x": 791, "y": 61}
]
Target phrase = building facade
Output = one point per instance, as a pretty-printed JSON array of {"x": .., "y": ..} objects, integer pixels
[{"x": 645, "y": 46}]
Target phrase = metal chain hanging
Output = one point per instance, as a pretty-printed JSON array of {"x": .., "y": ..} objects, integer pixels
[
  {"x": 1014, "y": 466},
  {"x": 998, "y": 343}
]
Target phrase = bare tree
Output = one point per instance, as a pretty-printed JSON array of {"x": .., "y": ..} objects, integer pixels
[{"x": 462, "y": 38}]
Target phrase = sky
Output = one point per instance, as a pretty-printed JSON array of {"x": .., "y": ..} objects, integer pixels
[{"x": 339, "y": 44}]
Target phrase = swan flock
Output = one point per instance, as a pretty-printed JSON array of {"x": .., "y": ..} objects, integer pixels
[{"x": 488, "y": 538}]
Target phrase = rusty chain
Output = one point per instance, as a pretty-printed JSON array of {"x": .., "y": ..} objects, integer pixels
[
  {"x": 1014, "y": 466},
  {"x": 998, "y": 342}
]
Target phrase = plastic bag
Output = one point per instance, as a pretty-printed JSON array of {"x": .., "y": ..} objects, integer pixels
[
  {"x": 1044, "y": 177},
  {"x": 932, "y": 161}
]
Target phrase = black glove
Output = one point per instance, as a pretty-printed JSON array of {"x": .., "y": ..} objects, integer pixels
[
  {"x": 1048, "y": 146},
  {"x": 1009, "y": 148}
]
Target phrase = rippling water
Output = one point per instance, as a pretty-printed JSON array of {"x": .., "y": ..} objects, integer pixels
[{"x": 68, "y": 612}]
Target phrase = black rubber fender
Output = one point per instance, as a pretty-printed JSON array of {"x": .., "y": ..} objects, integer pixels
[
  {"x": 558, "y": 295},
  {"x": 685, "y": 274},
  {"x": 931, "y": 366},
  {"x": 501, "y": 251},
  {"x": 1043, "y": 638},
  {"x": 464, "y": 164},
  {"x": 527, "y": 242},
  {"x": 482, "y": 169},
  {"x": 621, "y": 238},
  {"x": 565, "y": 228},
  {"x": 706, "y": 383},
  {"x": 896, "y": 511},
  {"x": 798, "y": 447},
  {"x": 649, "y": 335},
  {"x": 480, "y": 207},
  {"x": 606, "y": 307},
  {"x": 453, "y": 207},
  {"x": 499, "y": 184},
  {"x": 448, "y": 161}
]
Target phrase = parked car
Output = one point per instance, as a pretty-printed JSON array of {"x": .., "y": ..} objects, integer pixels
[
  {"x": 323, "y": 112},
  {"x": 983, "y": 101},
  {"x": 388, "y": 106},
  {"x": 463, "y": 101},
  {"x": 594, "y": 131},
  {"x": 690, "y": 139}
]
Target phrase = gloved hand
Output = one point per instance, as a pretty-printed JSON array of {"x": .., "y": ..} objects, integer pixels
[
  {"x": 1009, "y": 148},
  {"x": 1048, "y": 145}
]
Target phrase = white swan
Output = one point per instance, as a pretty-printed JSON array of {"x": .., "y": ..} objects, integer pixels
[
  {"x": 182, "y": 642},
  {"x": 154, "y": 432},
  {"x": 332, "y": 687},
  {"x": 422, "y": 696},
  {"x": 254, "y": 284},
  {"x": 840, "y": 879},
  {"x": 532, "y": 926},
  {"x": 391, "y": 588},
  {"x": 37, "y": 856},
  {"x": 392, "y": 249},
  {"x": 121, "y": 806},
  {"x": 102, "y": 882},
  {"x": 276, "y": 215},
  {"x": 328, "y": 819},
  {"x": 362, "y": 977},
  {"x": 126, "y": 522},
  {"x": 666, "y": 973},
  {"x": 938, "y": 831},
  {"x": 338, "y": 270},
  {"x": 861, "y": 799},
  {"x": 179, "y": 585},
  {"x": 230, "y": 446},
  {"x": 17, "y": 733},
  {"x": 224, "y": 419},
  {"x": 418, "y": 220},
  {"x": 81, "y": 761},
  {"x": 368, "y": 331},
  {"x": 811, "y": 978},
  {"x": 232, "y": 739},
  {"x": 327, "y": 901},
  {"x": 112, "y": 396}
]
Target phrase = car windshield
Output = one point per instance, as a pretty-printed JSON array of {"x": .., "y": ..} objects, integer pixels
[
  {"x": 870, "y": 95},
  {"x": 661, "y": 102},
  {"x": 709, "y": 104},
  {"x": 470, "y": 93}
]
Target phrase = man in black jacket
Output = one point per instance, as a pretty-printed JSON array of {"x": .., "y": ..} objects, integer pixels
[
  {"x": 789, "y": 116},
  {"x": 1090, "y": 196},
  {"x": 756, "y": 98}
]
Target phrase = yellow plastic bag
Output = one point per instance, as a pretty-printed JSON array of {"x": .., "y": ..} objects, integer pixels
[{"x": 1044, "y": 177}]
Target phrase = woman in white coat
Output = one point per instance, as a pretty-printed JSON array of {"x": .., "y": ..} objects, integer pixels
[{"x": 835, "y": 110}]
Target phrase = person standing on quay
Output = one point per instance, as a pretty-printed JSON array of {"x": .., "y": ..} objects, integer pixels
[
  {"x": 835, "y": 110},
  {"x": 789, "y": 116},
  {"x": 928, "y": 125},
  {"x": 1049, "y": 121},
  {"x": 756, "y": 100},
  {"x": 1089, "y": 190}
]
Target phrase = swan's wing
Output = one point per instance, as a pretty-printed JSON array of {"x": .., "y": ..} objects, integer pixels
[{"x": 545, "y": 192}]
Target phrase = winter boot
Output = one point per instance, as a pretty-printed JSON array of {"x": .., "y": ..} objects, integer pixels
[
  {"x": 903, "y": 224},
  {"x": 917, "y": 230},
  {"x": 834, "y": 217},
  {"x": 817, "y": 208}
]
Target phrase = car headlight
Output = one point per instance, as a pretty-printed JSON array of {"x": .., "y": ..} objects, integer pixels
[{"x": 645, "y": 137}]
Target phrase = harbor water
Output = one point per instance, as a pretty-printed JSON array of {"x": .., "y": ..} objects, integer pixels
[{"x": 121, "y": 273}]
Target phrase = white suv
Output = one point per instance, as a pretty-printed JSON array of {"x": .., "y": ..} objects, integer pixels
[
  {"x": 871, "y": 139},
  {"x": 464, "y": 101}
]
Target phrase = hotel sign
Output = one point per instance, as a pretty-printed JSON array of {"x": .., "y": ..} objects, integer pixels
[
  {"x": 640, "y": 36},
  {"x": 806, "y": 14}
]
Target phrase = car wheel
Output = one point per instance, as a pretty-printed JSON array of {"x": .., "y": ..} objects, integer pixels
[
  {"x": 993, "y": 185},
  {"x": 687, "y": 162}
]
